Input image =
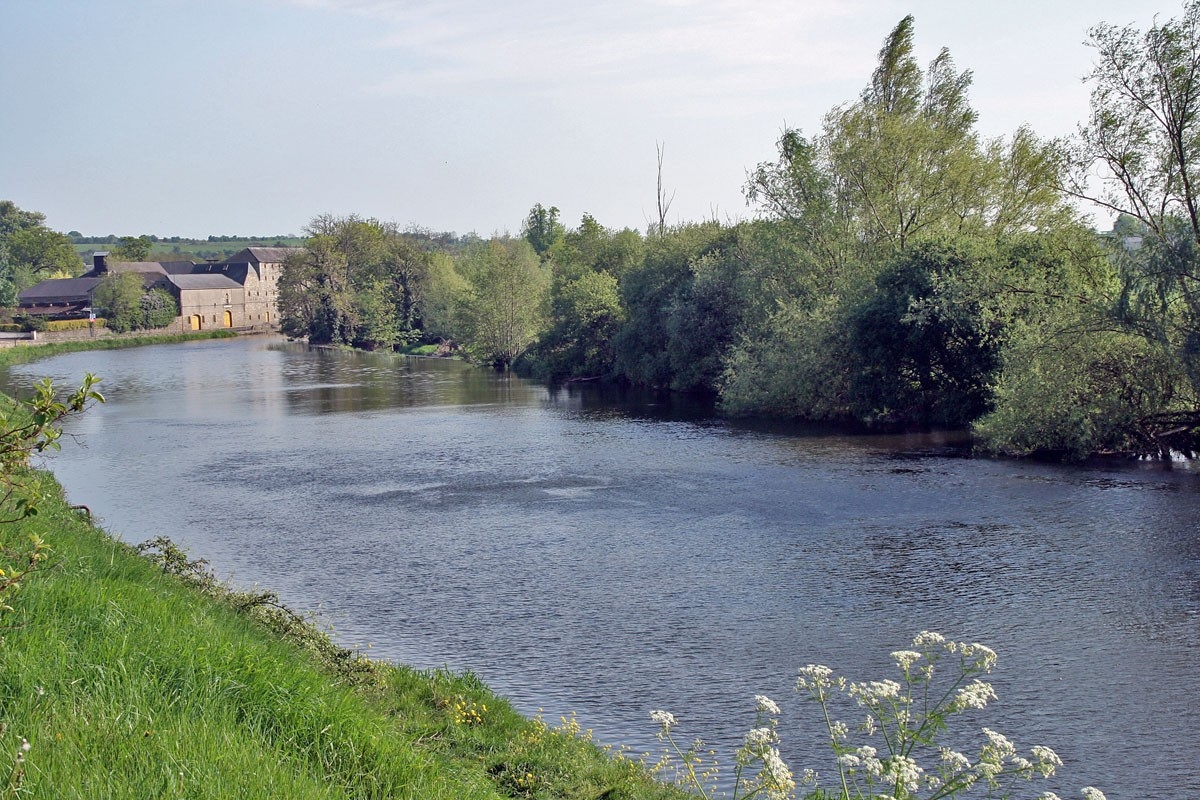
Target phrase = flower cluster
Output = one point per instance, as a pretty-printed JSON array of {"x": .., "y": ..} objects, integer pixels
[{"x": 903, "y": 720}]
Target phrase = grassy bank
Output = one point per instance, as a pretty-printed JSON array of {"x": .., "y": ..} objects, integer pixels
[
  {"x": 131, "y": 679},
  {"x": 24, "y": 354}
]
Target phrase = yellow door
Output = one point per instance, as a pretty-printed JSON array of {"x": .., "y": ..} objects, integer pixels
[
  {"x": 228, "y": 319},
  {"x": 197, "y": 322}
]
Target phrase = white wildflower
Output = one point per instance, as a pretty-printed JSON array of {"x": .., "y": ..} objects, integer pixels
[
  {"x": 955, "y": 761},
  {"x": 808, "y": 778},
  {"x": 998, "y": 746},
  {"x": 759, "y": 738},
  {"x": 974, "y": 695},
  {"x": 664, "y": 718},
  {"x": 868, "y": 694},
  {"x": 1047, "y": 760},
  {"x": 903, "y": 773},
  {"x": 1048, "y": 796},
  {"x": 814, "y": 677},
  {"x": 985, "y": 657},
  {"x": 765, "y": 705},
  {"x": 928, "y": 639},
  {"x": 838, "y": 730},
  {"x": 906, "y": 658},
  {"x": 870, "y": 726},
  {"x": 776, "y": 776},
  {"x": 1092, "y": 793}
]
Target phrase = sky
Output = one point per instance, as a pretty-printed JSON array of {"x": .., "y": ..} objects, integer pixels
[{"x": 251, "y": 117}]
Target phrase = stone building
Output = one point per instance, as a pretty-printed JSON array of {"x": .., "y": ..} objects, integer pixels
[{"x": 240, "y": 292}]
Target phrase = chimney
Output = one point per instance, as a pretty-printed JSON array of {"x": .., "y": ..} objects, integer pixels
[{"x": 100, "y": 261}]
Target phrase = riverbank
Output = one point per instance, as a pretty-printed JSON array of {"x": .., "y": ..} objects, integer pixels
[
  {"x": 133, "y": 677},
  {"x": 27, "y": 353}
]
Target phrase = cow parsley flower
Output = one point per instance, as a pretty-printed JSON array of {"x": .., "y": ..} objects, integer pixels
[
  {"x": 765, "y": 705},
  {"x": 906, "y": 658},
  {"x": 974, "y": 695},
  {"x": 1046, "y": 759},
  {"x": 665, "y": 719},
  {"x": 928, "y": 639},
  {"x": 1092, "y": 793}
]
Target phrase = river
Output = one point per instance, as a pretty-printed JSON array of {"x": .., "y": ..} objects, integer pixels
[{"x": 609, "y": 556}]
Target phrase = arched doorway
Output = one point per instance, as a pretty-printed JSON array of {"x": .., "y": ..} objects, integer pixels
[
  {"x": 228, "y": 319},
  {"x": 196, "y": 322}
]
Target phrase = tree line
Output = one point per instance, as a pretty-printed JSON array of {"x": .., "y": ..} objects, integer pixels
[
  {"x": 901, "y": 271},
  {"x": 904, "y": 271}
]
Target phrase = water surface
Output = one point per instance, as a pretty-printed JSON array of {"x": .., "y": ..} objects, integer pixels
[{"x": 607, "y": 558}]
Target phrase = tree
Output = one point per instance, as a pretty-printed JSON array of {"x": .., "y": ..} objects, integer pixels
[
  {"x": 541, "y": 228},
  {"x": 29, "y": 251},
  {"x": 118, "y": 296},
  {"x": 133, "y": 248},
  {"x": 1141, "y": 146},
  {"x": 357, "y": 282},
  {"x": 1143, "y": 135},
  {"x": 504, "y": 309}
]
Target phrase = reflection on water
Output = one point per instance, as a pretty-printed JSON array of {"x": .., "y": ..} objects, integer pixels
[{"x": 609, "y": 554}]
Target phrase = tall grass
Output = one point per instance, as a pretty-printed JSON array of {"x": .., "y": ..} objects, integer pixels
[{"x": 129, "y": 680}]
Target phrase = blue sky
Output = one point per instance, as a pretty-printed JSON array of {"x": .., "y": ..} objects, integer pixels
[{"x": 198, "y": 117}]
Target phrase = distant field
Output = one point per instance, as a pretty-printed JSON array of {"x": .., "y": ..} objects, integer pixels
[{"x": 196, "y": 249}]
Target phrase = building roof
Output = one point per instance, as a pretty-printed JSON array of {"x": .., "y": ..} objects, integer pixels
[
  {"x": 59, "y": 290},
  {"x": 261, "y": 255},
  {"x": 204, "y": 281},
  {"x": 178, "y": 267}
]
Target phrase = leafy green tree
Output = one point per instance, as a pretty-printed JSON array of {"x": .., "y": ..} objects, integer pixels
[
  {"x": 118, "y": 296},
  {"x": 30, "y": 252},
  {"x": 918, "y": 356},
  {"x": 1141, "y": 141},
  {"x": 541, "y": 228},
  {"x": 159, "y": 308},
  {"x": 504, "y": 308},
  {"x": 133, "y": 248},
  {"x": 587, "y": 315}
]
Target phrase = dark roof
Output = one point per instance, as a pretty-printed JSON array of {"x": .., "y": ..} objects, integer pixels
[
  {"x": 205, "y": 281},
  {"x": 178, "y": 267},
  {"x": 260, "y": 255},
  {"x": 59, "y": 290}
]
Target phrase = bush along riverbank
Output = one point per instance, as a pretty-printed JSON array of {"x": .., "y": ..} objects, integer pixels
[{"x": 127, "y": 674}]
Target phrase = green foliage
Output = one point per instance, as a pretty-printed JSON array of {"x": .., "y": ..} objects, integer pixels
[
  {"x": 587, "y": 315},
  {"x": 541, "y": 228},
  {"x": 503, "y": 309},
  {"x": 159, "y": 308},
  {"x": 30, "y": 252},
  {"x": 918, "y": 356},
  {"x": 28, "y": 428},
  {"x": 119, "y": 298},
  {"x": 133, "y": 248},
  {"x": 357, "y": 282}
]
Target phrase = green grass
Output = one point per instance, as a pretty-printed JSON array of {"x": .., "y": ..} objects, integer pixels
[
  {"x": 26, "y": 353},
  {"x": 131, "y": 681}
]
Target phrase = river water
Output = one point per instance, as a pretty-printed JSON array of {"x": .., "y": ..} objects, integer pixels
[{"x": 609, "y": 556}]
